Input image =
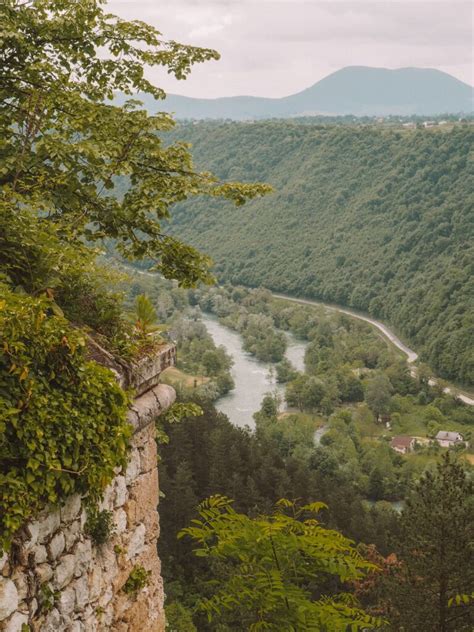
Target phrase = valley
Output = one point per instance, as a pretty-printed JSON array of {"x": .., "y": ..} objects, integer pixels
[
  {"x": 379, "y": 221},
  {"x": 236, "y": 341}
]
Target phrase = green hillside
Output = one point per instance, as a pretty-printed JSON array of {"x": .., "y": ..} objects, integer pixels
[{"x": 379, "y": 220}]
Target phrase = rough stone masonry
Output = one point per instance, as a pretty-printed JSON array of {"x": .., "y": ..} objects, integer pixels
[{"x": 81, "y": 585}]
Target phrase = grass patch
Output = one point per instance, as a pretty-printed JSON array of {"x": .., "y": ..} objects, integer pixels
[{"x": 176, "y": 377}]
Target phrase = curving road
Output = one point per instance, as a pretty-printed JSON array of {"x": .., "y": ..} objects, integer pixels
[{"x": 412, "y": 356}]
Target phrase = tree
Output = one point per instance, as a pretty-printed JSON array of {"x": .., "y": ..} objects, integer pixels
[
  {"x": 435, "y": 548},
  {"x": 269, "y": 406},
  {"x": 179, "y": 618},
  {"x": 277, "y": 567},
  {"x": 306, "y": 392},
  {"x": 378, "y": 394},
  {"x": 79, "y": 165},
  {"x": 78, "y": 170},
  {"x": 285, "y": 371}
]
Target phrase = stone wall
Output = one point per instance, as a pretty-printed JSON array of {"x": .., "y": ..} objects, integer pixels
[{"x": 54, "y": 563}]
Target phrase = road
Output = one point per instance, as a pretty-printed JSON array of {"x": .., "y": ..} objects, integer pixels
[{"x": 412, "y": 356}]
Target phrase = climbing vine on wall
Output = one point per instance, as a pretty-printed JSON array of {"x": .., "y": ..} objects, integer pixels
[{"x": 63, "y": 422}]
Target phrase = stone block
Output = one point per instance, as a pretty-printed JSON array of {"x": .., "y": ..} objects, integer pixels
[
  {"x": 146, "y": 371},
  {"x": 8, "y": 598},
  {"x": 106, "y": 597},
  {"x": 20, "y": 579},
  {"x": 53, "y": 622},
  {"x": 107, "y": 618},
  {"x": 120, "y": 521},
  {"x": 108, "y": 561},
  {"x": 32, "y": 531},
  {"x": 81, "y": 586},
  {"x": 40, "y": 554},
  {"x": 136, "y": 542},
  {"x": 133, "y": 466},
  {"x": 3, "y": 561},
  {"x": 130, "y": 508},
  {"x": 15, "y": 623},
  {"x": 121, "y": 492},
  {"x": 67, "y": 601},
  {"x": 44, "y": 573},
  {"x": 56, "y": 546},
  {"x": 65, "y": 571},
  {"x": 143, "y": 436},
  {"x": 145, "y": 493},
  {"x": 107, "y": 501},
  {"x": 71, "y": 509},
  {"x": 47, "y": 525},
  {"x": 82, "y": 555},
  {"x": 33, "y": 607},
  {"x": 72, "y": 534},
  {"x": 83, "y": 519},
  {"x": 148, "y": 456},
  {"x": 122, "y": 604},
  {"x": 148, "y": 406},
  {"x": 91, "y": 625},
  {"x": 95, "y": 583}
]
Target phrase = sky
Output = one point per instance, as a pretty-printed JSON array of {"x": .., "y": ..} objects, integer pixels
[{"x": 278, "y": 47}]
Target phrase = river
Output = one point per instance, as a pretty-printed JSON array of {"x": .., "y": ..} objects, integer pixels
[
  {"x": 412, "y": 356},
  {"x": 253, "y": 379}
]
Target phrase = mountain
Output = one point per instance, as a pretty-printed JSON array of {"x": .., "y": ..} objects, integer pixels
[
  {"x": 380, "y": 220},
  {"x": 357, "y": 90}
]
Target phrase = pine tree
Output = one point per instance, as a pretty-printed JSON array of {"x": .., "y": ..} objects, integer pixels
[{"x": 435, "y": 548}]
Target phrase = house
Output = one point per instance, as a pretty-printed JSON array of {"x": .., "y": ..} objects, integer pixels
[
  {"x": 448, "y": 439},
  {"x": 402, "y": 444},
  {"x": 429, "y": 123}
]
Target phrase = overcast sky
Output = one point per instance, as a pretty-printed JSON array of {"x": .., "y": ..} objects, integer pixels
[{"x": 279, "y": 47}]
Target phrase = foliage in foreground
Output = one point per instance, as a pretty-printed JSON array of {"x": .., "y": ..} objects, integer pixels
[
  {"x": 63, "y": 422},
  {"x": 276, "y": 569},
  {"x": 64, "y": 144}
]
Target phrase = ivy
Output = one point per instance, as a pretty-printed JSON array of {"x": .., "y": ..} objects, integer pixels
[{"x": 63, "y": 422}]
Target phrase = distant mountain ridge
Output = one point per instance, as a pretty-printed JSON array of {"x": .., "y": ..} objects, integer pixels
[{"x": 357, "y": 90}]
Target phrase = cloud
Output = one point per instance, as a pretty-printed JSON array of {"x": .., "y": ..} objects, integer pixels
[{"x": 277, "y": 47}]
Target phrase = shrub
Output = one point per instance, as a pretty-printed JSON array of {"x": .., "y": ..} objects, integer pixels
[
  {"x": 63, "y": 422},
  {"x": 137, "y": 580},
  {"x": 99, "y": 525}
]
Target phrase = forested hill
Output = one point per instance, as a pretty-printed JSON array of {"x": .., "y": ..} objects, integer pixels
[{"x": 378, "y": 220}]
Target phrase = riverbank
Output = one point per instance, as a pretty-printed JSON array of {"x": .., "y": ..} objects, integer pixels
[
  {"x": 253, "y": 379},
  {"x": 411, "y": 355}
]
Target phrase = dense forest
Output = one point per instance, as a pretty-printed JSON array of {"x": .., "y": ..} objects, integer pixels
[
  {"x": 404, "y": 588},
  {"x": 351, "y": 377},
  {"x": 379, "y": 220}
]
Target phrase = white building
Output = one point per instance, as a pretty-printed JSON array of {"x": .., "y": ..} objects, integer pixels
[{"x": 448, "y": 439}]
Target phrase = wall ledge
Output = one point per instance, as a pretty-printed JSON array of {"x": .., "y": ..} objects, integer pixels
[{"x": 146, "y": 408}]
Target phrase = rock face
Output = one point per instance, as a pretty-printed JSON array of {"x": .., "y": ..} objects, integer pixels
[{"x": 56, "y": 579}]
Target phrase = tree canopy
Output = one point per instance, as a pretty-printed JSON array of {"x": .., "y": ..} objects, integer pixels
[
  {"x": 65, "y": 143},
  {"x": 276, "y": 567},
  {"x": 376, "y": 219}
]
